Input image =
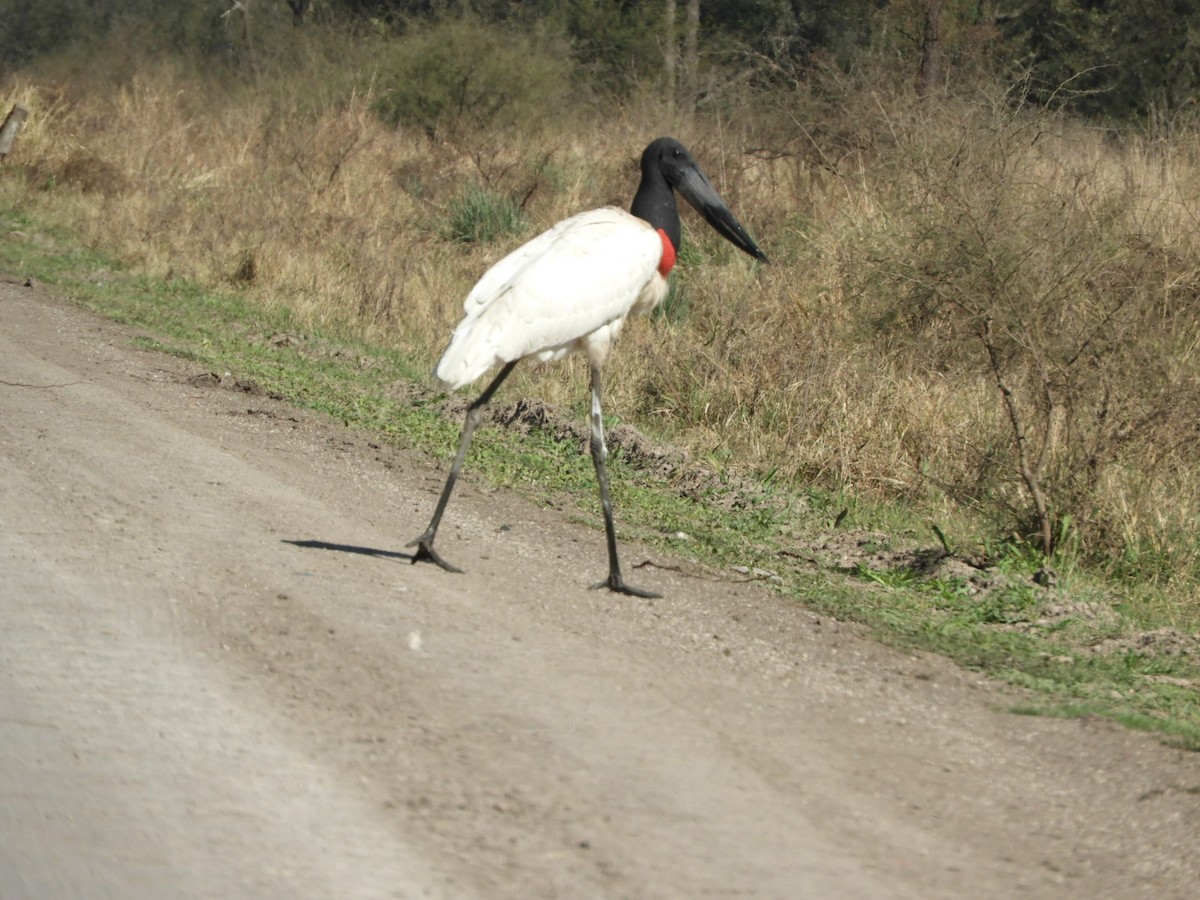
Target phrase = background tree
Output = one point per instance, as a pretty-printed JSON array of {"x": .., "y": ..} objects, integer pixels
[
  {"x": 670, "y": 55},
  {"x": 930, "y": 76},
  {"x": 1096, "y": 58},
  {"x": 1106, "y": 58},
  {"x": 691, "y": 56}
]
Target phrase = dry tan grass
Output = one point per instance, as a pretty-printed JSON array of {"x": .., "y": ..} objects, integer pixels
[{"x": 819, "y": 367}]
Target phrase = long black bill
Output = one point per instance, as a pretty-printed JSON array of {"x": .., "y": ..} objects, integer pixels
[{"x": 695, "y": 188}]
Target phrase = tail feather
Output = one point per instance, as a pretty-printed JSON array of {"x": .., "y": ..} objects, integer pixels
[{"x": 468, "y": 356}]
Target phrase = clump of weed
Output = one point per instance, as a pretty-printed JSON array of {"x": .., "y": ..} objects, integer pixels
[{"x": 479, "y": 215}]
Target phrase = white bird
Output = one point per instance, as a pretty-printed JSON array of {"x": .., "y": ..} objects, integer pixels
[{"x": 571, "y": 289}]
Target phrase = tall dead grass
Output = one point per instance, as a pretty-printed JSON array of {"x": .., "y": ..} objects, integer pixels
[{"x": 927, "y": 263}]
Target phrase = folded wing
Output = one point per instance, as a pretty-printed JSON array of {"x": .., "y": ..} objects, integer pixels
[{"x": 550, "y": 295}]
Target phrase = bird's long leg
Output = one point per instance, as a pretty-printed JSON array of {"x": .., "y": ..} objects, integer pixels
[
  {"x": 424, "y": 543},
  {"x": 614, "y": 581}
]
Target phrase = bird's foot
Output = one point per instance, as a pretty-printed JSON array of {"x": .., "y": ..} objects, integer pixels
[
  {"x": 425, "y": 551},
  {"x": 615, "y": 583}
]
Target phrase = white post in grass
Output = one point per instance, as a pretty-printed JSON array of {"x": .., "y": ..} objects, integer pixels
[{"x": 13, "y": 123}]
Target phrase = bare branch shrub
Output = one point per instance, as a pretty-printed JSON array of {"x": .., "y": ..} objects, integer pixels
[{"x": 1010, "y": 255}]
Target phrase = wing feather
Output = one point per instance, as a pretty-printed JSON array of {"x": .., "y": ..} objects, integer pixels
[{"x": 549, "y": 295}]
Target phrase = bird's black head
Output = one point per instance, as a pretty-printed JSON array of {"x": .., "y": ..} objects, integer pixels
[
  {"x": 667, "y": 165},
  {"x": 670, "y": 158}
]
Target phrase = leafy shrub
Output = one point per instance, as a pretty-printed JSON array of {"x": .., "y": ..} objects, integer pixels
[{"x": 459, "y": 73}]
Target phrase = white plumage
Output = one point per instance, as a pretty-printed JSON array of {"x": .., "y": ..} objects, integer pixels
[{"x": 570, "y": 288}]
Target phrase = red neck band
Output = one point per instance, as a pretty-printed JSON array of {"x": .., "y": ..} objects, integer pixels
[{"x": 667, "y": 263}]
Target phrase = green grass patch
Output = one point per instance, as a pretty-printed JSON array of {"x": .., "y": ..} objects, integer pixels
[
  {"x": 1154, "y": 693},
  {"x": 482, "y": 216}
]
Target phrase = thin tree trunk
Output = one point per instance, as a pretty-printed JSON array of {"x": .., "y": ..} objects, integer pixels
[
  {"x": 930, "y": 76},
  {"x": 299, "y": 8},
  {"x": 691, "y": 58},
  {"x": 670, "y": 57},
  {"x": 1030, "y": 470}
]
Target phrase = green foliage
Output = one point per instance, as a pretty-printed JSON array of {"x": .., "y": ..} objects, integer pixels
[
  {"x": 895, "y": 579},
  {"x": 1008, "y": 605},
  {"x": 677, "y": 305},
  {"x": 1108, "y": 58},
  {"x": 1099, "y": 58},
  {"x": 479, "y": 215},
  {"x": 33, "y": 28},
  {"x": 454, "y": 74},
  {"x": 792, "y": 32},
  {"x": 617, "y": 44},
  {"x": 29, "y": 28}
]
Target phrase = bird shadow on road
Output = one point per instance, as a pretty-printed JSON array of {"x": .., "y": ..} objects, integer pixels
[{"x": 351, "y": 548}]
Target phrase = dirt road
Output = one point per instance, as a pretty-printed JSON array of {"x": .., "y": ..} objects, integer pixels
[{"x": 220, "y": 677}]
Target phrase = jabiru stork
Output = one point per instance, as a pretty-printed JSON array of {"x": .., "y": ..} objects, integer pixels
[{"x": 571, "y": 289}]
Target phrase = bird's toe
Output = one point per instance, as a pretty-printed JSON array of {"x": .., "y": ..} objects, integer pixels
[
  {"x": 425, "y": 552},
  {"x": 615, "y": 583}
]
